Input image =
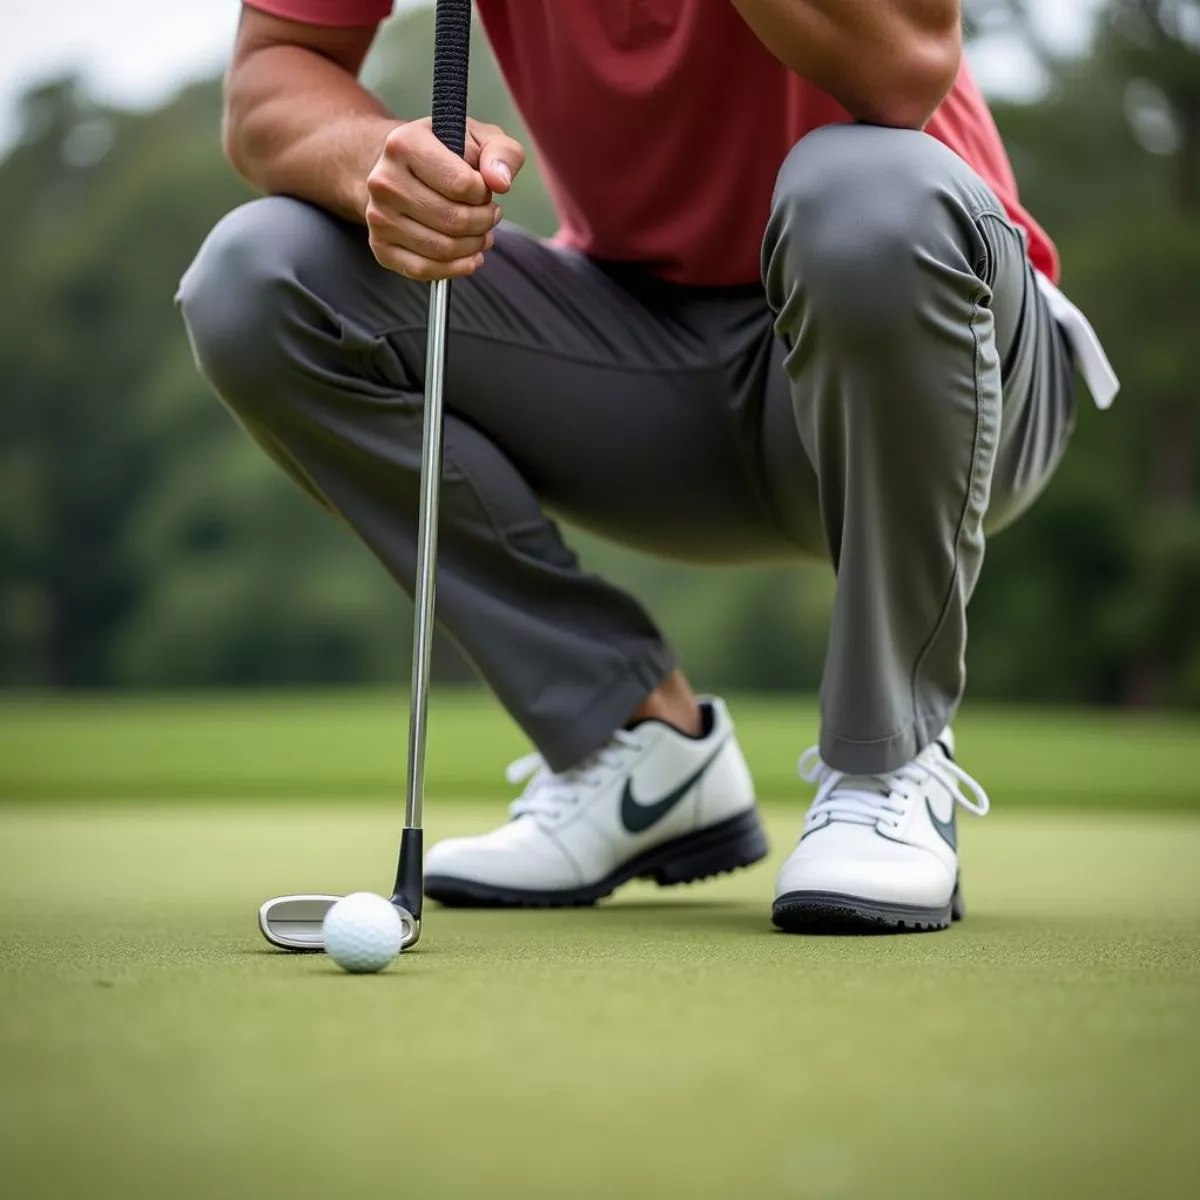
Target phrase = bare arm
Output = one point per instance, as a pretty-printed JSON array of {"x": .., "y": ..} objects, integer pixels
[
  {"x": 890, "y": 62},
  {"x": 298, "y": 122}
]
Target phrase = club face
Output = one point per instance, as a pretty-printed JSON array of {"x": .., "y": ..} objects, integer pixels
[{"x": 294, "y": 922}]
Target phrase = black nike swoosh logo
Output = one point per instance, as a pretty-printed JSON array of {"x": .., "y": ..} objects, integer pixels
[
  {"x": 947, "y": 830},
  {"x": 637, "y": 818}
]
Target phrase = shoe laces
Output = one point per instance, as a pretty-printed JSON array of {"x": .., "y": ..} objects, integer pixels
[
  {"x": 549, "y": 793},
  {"x": 885, "y": 798}
]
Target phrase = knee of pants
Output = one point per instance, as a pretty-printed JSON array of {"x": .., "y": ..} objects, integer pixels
[
  {"x": 865, "y": 222},
  {"x": 247, "y": 312}
]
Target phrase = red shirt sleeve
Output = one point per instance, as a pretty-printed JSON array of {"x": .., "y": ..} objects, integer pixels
[{"x": 345, "y": 13}]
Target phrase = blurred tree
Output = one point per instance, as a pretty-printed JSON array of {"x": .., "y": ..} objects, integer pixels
[
  {"x": 1101, "y": 577},
  {"x": 98, "y": 209}
]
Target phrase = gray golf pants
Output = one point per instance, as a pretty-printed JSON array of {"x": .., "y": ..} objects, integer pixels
[{"x": 899, "y": 391}]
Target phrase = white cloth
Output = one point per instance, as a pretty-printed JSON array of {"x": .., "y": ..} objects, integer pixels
[{"x": 1093, "y": 363}]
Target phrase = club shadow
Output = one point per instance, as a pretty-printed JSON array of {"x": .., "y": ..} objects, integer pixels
[
  {"x": 669, "y": 903},
  {"x": 673, "y": 915}
]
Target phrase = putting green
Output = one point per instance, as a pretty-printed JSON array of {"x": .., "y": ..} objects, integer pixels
[{"x": 665, "y": 1044}]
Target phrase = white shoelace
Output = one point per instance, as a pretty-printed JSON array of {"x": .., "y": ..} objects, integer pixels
[
  {"x": 548, "y": 792},
  {"x": 873, "y": 799}
]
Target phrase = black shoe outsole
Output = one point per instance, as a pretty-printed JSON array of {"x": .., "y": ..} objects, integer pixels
[
  {"x": 718, "y": 850},
  {"x": 829, "y": 912}
]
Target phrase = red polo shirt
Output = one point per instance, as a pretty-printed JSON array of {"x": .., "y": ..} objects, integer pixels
[{"x": 661, "y": 125}]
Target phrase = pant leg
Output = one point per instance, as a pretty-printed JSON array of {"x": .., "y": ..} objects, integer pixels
[
  {"x": 561, "y": 386},
  {"x": 933, "y": 396}
]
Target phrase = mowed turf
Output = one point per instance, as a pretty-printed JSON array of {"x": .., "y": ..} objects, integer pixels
[{"x": 666, "y": 1044}]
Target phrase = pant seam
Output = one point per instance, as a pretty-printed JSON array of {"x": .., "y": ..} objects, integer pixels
[
  {"x": 966, "y": 508},
  {"x": 982, "y": 212},
  {"x": 707, "y": 368},
  {"x": 880, "y": 741},
  {"x": 1006, "y": 224}
]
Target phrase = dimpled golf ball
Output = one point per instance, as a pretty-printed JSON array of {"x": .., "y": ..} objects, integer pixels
[{"x": 363, "y": 933}]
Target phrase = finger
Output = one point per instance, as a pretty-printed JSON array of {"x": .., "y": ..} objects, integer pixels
[
  {"x": 398, "y": 193},
  {"x": 472, "y": 144},
  {"x": 500, "y": 158},
  {"x": 425, "y": 242},
  {"x": 444, "y": 171},
  {"x": 413, "y": 266}
]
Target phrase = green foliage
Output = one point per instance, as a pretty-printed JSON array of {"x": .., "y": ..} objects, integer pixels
[
  {"x": 1094, "y": 595},
  {"x": 144, "y": 540},
  {"x": 100, "y": 210}
]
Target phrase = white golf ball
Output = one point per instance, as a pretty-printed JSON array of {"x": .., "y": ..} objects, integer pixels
[{"x": 363, "y": 933}]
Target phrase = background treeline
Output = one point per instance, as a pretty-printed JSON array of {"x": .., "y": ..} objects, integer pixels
[{"x": 145, "y": 542}]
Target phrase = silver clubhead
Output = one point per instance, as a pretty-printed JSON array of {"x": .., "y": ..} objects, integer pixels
[{"x": 294, "y": 922}]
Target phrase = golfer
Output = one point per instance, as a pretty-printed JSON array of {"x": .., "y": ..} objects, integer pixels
[{"x": 794, "y": 311}]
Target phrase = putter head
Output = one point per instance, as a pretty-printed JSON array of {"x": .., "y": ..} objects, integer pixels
[{"x": 294, "y": 922}]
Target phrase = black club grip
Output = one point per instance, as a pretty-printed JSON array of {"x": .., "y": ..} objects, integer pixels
[{"x": 451, "y": 58}]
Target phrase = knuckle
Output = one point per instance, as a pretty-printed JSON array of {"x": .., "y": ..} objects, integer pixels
[
  {"x": 438, "y": 247},
  {"x": 464, "y": 247},
  {"x": 452, "y": 249},
  {"x": 383, "y": 239},
  {"x": 382, "y": 253},
  {"x": 399, "y": 141},
  {"x": 460, "y": 182},
  {"x": 382, "y": 185},
  {"x": 457, "y": 222}
]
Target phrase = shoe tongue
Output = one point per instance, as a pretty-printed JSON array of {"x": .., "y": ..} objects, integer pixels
[{"x": 865, "y": 783}]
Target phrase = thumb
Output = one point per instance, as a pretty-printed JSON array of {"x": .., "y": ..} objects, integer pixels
[{"x": 500, "y": 158}]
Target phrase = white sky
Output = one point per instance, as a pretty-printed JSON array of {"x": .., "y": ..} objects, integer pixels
[{"x": 139, "y": 51}]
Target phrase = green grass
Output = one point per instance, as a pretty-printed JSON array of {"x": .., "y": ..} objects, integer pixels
[
  {"x": 352, "y": 744},
  {"x": 665, "y": 1044},
  {"x": 668, "y": 1043}
]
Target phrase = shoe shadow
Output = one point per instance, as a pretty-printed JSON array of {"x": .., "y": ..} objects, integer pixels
[
  {"x": 669, "y": 915},
  {"x": 681, "y": 915},
  {"x": 667, "y": 903}
]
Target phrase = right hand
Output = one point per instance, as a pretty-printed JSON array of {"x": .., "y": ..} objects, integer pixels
[{"x": 430, "y": 214}]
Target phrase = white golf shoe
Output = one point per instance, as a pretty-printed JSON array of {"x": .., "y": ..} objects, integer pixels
[
  {"x": 879, "y": 852},
  {"x": 652, "y": 803}
]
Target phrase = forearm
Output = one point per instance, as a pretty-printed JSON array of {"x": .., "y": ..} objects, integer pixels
[
  {"x": 300, "y": 125},
  {"x": 890, "y": 62}
]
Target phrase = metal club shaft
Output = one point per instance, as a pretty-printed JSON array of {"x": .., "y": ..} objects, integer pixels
[{"x": 425, "y": 592}]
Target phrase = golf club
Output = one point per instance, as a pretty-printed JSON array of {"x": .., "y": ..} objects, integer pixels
[{"x": 294, "y": 922}]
